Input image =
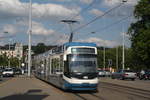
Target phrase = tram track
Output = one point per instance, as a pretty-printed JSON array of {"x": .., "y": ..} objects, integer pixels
[
  {"x": 105, "y": 90},
  {"x": 126, "y": 90},
  {"x": 89, "y": 96}
]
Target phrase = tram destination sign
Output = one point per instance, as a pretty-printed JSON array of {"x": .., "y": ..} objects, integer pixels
[{"x": 83, "y": 50}]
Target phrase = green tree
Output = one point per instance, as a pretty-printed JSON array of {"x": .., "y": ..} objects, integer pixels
[
  {"x": 14, "y": 62},
  {"x": 110, "y": 53},
  {"x": 100, "y": 58},
  {"x": 140, "y": 34},
  {"x": 40, "y": 48},
  {"x": 3, "y": 60}
]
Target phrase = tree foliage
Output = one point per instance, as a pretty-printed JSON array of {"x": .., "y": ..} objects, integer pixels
[
  {"x": 110, "y": 53},
  {"x": 14, "y": 62},
  {"x": 140, "y": 34},
  {"x": 4, "y": 60},
  {"x": 41, "y": 48}
]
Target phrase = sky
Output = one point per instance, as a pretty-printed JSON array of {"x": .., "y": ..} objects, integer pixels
[{"x": 47, "y": 27}]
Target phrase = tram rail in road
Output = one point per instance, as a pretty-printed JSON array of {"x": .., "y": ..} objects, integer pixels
[
  {"x": 124, "y": 90},
  {"x": 102, "y": 95},
  {"x": 31, "y": 87},
  {"x": 89, "y": 96},
  {"x": 127, "y": 90}
]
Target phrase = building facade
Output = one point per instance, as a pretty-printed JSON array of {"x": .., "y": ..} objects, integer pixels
[{"x": 15, "y": 51}]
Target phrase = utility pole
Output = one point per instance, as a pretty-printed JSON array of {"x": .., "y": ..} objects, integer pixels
[
  {"x": 9, "y": 55},
  {"x": 29, "y": 42},
  {"x": 70, "y": 22},
  {"x": 117, "y": 57},
  {"x": 123, "y": 57},
  {"x": 104, "y": 56},
  {"x": 104, "y": 51}
]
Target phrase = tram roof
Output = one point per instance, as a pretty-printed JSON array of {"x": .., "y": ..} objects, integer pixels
[{"x": 79, "y": 44}]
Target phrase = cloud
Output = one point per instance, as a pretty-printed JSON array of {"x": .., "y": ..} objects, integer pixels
[
  {"x": 53, "y": 39},
  {"x": 86, "y": 1},
  {"x": 2, "y": 43},
  {"x": 22, "y": 21},
  {"x": 52, "y": 10},
  {"x": 15, "y": 8},
  {"x": 125, "y": 34},
  {"x": 101, "y": 42},
  {"x": 10, "y": 29},
  {"x": 116, "y": 2},
  {"x": 124, "y": 10},
  {"x": 60, "y": 39},
  {"x": 38, "y": 29},
  {"x": 63, "y": 0},
  {"x": 96, "y": 12}
]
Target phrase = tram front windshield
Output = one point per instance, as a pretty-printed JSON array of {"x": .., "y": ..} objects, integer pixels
[{"x": 82, "y": 63}]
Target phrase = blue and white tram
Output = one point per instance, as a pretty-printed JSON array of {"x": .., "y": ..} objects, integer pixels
[{"x": 72, "y": 66}]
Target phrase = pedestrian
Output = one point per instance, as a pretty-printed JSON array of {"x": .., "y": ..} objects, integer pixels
[{"x": 142, "y": 72}]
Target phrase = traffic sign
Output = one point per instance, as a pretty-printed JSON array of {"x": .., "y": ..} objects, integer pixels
[{"x": 109, "y": 62}]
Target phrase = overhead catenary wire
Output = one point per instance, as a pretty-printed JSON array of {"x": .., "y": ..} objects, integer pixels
[
  {"x": 82, "y": 11},
  {"x": 98, "y": 17},
  {"x": 112, "y": 24}
]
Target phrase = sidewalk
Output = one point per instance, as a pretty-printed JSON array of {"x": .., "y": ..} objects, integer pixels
[
  {"x": 139, "y": 84},
  {"x": 24, "y": 88}
]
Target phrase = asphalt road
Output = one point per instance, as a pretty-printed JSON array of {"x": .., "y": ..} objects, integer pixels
[
  {"x": 21, "y": 88},
  {"x": 2, "y": 80}
]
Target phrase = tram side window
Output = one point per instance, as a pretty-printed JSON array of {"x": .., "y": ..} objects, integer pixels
[
  {"x": 61, "y": 64},
  {"x": 44, "y": 65},
  {"x": 52, "y": 69},
  {"x": 55, "y": 65}
]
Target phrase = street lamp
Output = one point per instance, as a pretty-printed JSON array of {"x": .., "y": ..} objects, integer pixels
[
  {"x": 29, "y": 42},
  {"x": 123, "y": 57}
]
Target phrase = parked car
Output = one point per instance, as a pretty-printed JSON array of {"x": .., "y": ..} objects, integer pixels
[
  {"x": 17, "y": 71},
  {"x": 107, "y": 73},
  {"x": 145, "y": 76},
  {"x": 101, "y": 73},
  {"x": 124, "y": 74},
  {"x": 8, "y": 72}
]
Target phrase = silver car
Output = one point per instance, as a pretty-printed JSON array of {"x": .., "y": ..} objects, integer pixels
[
  {"x": 107, "y": 73},
  {"x": 124, "y": 74},
  {"x": 101, "y": 73},
  {"x": 8, "y": 72}
]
